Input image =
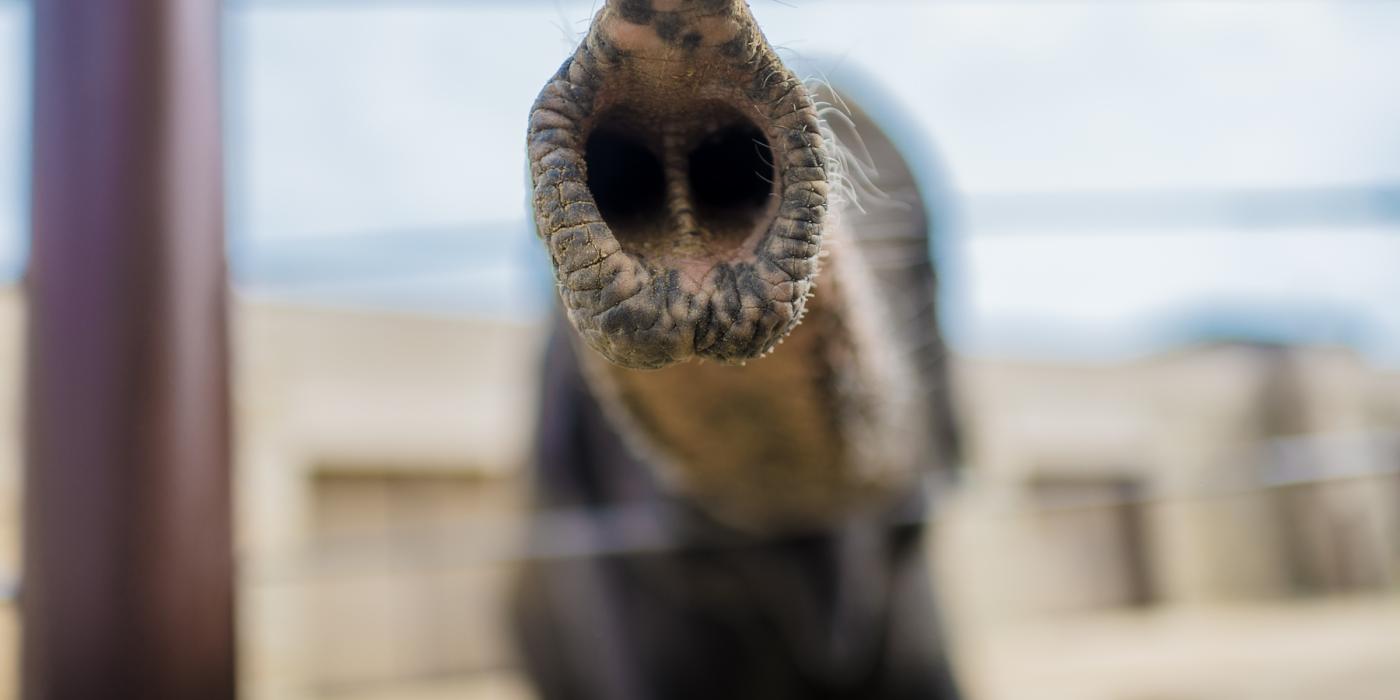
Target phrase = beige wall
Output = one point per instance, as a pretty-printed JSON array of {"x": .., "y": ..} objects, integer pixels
[
  {"x": 1185, "y": 425},
  {"x": 11, "y": 386},
  {"x": 392, "y": 404},
  {"x": 380, "y": 396},
  {"x": 379, "y": 405}
]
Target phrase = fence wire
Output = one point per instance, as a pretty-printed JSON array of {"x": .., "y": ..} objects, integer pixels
[{"x": 482, "y": 540}]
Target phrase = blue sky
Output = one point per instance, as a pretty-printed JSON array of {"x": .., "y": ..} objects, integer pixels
[
  {"x": 13, "y": 130},
  {"x": 349, "y": 121}
]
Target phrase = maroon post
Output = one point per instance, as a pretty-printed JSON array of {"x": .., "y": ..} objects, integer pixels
[{"x": 127, "y": 588}]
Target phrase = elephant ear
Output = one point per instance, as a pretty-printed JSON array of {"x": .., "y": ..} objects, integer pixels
[{"x": 899, "y": 210}]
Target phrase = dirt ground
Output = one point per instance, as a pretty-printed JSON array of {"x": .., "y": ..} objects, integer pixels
[
  {"x": 1334, "y": 650},
  {"x": 1328, "y": 650},
  {"x": 1316, "y": 650}
]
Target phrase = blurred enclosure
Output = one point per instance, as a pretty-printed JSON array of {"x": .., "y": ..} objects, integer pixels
[{"x": 1173, "y": 232}]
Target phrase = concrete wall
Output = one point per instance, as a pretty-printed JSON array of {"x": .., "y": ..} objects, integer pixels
[
  {"x": 11, "y": 425},
  {"x": 343, "y": 416},
  {"x": 1192, "y": 430}
]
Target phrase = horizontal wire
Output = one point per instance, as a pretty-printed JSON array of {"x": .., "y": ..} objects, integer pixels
[{"x": 563, "y": 534}]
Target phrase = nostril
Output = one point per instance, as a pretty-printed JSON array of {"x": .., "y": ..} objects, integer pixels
[
  {"x": 627, "y": 180},
  {"x": 731, "y": 173},
  {"x": 690, "y": 182}
]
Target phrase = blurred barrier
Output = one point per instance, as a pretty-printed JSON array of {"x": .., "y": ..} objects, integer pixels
[
  {"x": 566, "y": 533},
  {"x": 380, "y": 610}
]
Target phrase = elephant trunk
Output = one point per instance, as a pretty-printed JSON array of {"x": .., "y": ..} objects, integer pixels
[{"x": 681, "y": 184}]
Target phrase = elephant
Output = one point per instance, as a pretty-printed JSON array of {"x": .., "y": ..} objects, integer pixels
[{"x": 745, "y": 395}]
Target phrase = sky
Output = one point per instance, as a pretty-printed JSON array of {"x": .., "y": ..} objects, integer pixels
[
  {"x": 410, "y": 114},
  {"x": 13, "y": 131},
  {"x": 351, "y": 121}
]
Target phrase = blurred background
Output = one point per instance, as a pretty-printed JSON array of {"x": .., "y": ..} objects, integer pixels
[{"x": 1171, "y": 284}]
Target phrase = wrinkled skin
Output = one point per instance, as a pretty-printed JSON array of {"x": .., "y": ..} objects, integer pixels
[
  {"x": 683, "y": 186},
  {"x": 662, "y": 282},
  {"x": 774, "y": 430}
]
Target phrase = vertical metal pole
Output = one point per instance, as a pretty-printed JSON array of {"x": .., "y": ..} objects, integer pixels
[{"x": 128, "y": 586}]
